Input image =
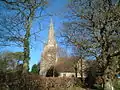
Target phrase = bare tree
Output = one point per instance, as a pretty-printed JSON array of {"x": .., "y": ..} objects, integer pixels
[
  {"x": 11, "y": 31},
  {"x": 27, "y": 10},
  {"x": 99, "y": 23}
]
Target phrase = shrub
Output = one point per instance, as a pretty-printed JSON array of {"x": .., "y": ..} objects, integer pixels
[
  {"x": 117, "y": 84},
  {"x": 16, "y": 81}
]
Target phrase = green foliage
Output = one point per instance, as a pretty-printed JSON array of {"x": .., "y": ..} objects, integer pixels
[
  {"x": 3, "y": 64},
  {"x": 35, "y": 69},
  {"x": 117, "y": 84},
  {"x": 98, "y": 87},
  {"x": 10, "y": 60}
]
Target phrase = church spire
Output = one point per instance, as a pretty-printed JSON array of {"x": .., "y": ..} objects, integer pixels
[
  {"x": 49, "y": 55},
  {"x": 51, "y": 36}
]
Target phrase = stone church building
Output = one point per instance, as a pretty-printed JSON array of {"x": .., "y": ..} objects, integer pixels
[{"x": 49, "y": 58}]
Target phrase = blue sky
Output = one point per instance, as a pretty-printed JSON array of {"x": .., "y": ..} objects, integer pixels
[{"x": 57, "y": 8}]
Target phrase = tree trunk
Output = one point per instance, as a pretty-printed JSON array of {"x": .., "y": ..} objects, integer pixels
[
  {"x": 76, "y": 72},
  {"x": 81, "y": 72},
  {"x": 26, "y": 43},
  {"x": 26, "y": 50}
]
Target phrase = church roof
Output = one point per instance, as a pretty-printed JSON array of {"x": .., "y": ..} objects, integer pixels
[{"x": 65, "y": 64}]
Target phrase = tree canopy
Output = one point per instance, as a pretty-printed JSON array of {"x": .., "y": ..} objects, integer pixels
[{"x": 9, "y": 61}]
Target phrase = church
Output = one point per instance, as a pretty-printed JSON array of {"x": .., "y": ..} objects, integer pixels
[
  {"x": 49, "y": 55},
  {"x": 65, "y": 66}
]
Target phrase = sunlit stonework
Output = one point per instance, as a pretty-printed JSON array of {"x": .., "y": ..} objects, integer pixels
[{"x": 49, "y": 53}]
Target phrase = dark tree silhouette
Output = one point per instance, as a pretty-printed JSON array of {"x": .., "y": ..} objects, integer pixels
[{"x": 52, "y": 72}]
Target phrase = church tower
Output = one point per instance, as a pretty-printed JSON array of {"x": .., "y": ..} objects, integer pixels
[{"x": 49, "y": 55}]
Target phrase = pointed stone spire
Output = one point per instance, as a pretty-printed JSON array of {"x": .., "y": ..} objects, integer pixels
[
  {"x": 49, "y": 55},
  {"x": 51, "y": 36}
]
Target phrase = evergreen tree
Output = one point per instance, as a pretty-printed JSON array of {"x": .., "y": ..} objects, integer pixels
[{"x": 35, "y": 69}]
